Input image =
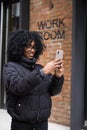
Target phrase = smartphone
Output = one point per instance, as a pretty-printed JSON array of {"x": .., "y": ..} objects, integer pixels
[{"x": 59, "y": 54}]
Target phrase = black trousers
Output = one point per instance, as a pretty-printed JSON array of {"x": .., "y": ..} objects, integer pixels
[{"x": 18, "y": 125}]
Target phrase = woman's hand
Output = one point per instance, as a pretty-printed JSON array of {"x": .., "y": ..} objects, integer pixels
[
  {"x": 52, "y": 66},
  {"x": 60, "y": 70}
]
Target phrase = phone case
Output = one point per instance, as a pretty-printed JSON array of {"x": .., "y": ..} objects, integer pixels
[{"x": 59, "y": 54}]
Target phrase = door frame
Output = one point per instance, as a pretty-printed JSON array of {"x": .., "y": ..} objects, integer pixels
[{"x": 78, "y": 65}]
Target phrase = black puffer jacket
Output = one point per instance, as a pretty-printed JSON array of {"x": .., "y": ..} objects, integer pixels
[{"x": 28, "y": 92}]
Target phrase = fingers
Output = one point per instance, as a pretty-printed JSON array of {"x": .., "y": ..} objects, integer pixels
[
  {"x": 61, "y": 69},
  {"x": 58, "y": 63},
  {"x": 59, "y": 72}
]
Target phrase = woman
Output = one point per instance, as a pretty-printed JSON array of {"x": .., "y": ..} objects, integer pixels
[{"x": 29, "y": 86}]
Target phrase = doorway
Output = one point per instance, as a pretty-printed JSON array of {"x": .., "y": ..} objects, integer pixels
[{"x": 14, "y": 16}]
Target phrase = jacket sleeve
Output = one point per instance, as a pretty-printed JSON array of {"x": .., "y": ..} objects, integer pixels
[
  {"x": 56, "y": 85},
  {"x": 18, "y": 83}
]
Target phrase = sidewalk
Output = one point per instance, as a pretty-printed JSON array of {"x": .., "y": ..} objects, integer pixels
[{"x": 5, "y": 120}]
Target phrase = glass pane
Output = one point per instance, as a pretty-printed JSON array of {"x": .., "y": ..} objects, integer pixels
[{"x": 15, "y": 16}]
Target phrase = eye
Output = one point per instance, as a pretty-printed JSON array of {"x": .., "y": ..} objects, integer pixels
[{"x": 28, "y": 46}]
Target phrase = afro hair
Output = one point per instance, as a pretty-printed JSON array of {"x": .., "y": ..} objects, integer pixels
[{"x": 18, "y": 40}]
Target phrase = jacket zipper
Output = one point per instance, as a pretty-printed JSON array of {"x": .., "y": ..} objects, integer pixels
[{"x": 38, "y": 114}]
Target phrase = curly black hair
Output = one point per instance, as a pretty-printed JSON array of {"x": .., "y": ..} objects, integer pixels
[{"x": 18, "y": 40}]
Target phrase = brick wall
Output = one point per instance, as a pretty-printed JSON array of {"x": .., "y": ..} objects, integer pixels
[{"x": 53, "y": 18}]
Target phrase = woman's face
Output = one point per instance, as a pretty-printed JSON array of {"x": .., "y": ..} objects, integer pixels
[{"x": 30, "y": 50}]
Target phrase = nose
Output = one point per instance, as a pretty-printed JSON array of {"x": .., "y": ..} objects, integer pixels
[{"x": 32, "y": 49}]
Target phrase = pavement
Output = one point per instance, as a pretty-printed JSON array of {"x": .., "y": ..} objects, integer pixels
[{"x": 5, "y": 121}]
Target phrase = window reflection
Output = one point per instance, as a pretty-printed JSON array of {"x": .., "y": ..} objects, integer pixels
[{"x": 15, "y": 16}]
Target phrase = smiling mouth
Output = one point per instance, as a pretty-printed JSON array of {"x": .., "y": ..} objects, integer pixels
[{"x": 30, "y": 54}]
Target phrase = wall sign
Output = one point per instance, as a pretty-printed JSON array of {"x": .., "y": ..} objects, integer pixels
[{"x": 52, "y": 29}]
